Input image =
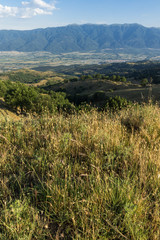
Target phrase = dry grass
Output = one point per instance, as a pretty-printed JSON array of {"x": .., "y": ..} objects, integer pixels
[
  {"x": 86, "y": 176},
  {"x": 6, "y": 113}
]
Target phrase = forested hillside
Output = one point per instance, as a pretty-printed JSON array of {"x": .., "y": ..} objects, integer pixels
[{"x": 80, "y": 38}]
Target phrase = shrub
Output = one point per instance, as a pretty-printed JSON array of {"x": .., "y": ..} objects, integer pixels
[
  {"x": 60, "y": 102},
  {"x": 117, "y": 103},
  {"x": 3, "y": 88},
  {"x": 144, "y": 82},
  {"x": 123, "y": 79},
  {"x": 84, "y": 107},
  {"x": 21, "y": 96},
  {"x": 28, "y": 99}
]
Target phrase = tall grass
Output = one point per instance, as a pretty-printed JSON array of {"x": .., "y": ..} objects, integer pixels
[{"x": 86, "y": 176}]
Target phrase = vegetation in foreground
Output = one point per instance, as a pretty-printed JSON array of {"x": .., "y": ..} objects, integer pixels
[{"x": 90, "y": 175}]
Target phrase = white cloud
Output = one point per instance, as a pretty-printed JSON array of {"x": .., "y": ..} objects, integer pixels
[
  {"x": 28, "y": 9},
  {"x": 30, "y": 12},
  {"x": 8, "y": 11},
  {"x": 38, "y": 4}
]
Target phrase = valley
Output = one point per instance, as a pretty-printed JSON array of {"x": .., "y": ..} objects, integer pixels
[{"x": 12, "y": 60}]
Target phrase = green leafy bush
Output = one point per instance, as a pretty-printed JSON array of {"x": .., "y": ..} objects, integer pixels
[
  {"x": 28, "y": 99},
  {"x": 22, "y": 97},
  {"x": 117, "y": 103},
  {"x": 60, "y": 102},
  {"x": 3, "y": 88},
  {"x": 144, "y": 82}
]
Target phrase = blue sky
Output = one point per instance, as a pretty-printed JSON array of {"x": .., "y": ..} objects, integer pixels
[{"x": 31, "y": 14}]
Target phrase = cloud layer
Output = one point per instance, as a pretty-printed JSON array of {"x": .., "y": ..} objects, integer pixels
[{"x": 27, "y": 9}]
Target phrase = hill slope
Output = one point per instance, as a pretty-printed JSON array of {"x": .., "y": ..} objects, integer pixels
[
  {"x": 88, "y": 37},
  {"x": 86, "y": 176}
]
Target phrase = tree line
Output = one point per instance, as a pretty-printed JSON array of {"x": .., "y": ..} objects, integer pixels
[{"x": 23, "y": 98}]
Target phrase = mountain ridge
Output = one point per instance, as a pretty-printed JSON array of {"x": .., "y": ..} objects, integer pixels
[{"x": 81, "y": 38}]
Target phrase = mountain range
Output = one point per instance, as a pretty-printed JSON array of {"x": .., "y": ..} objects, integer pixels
[{"x": 81, "y": 38}]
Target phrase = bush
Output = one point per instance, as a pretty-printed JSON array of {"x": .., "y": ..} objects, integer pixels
[
  {"x": 28, "y": 99},
  {"x": 144, "y": 82},
  {"x": 22, "y": 97},
  {"x": 3, "y": 88},
  {"x": 60, "y": 102},
  {"x": 117, "y": 103},
  {"x": 123, "y": 79},
  {"x": 84, "y": 107}
]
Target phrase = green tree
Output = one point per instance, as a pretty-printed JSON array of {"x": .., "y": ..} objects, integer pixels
[
  {"x": 118, "y": 78},
  {"x": 117, "y": 103},
  {"x": 144, "y": 82},
  {"x": 44, "y": 103},
  {"x": 113, "y": 78},
  {"x": 123, "y": 79},
  {"x": 22, "y": 97},
  {"x": 98, "y": 76},
  {"x": 60, "y": 101},
  {"x": 3, "y": 88},
  {"x": 28, "y": 99}
]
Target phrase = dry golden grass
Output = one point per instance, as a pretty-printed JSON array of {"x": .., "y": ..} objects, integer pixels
[
  {"x": 90, "y": 175},
  {"x": 5, "y": 113}
]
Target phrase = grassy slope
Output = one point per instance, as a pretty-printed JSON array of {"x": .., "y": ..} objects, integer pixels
[
  {"x": 130, "y": 91},
  {"x": 6, "y": 113},
  {"x": 31, "y": 77},
  {"x": 85, "y": 176}
]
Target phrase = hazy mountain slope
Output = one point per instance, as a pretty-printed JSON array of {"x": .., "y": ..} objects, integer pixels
[{"x": 80, "y": 38}]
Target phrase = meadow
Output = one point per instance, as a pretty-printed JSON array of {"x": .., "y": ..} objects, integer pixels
[{"x": 87, "y": 175}]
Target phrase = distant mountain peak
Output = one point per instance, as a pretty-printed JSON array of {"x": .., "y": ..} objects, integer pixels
[{"x": 82, "y": 38}]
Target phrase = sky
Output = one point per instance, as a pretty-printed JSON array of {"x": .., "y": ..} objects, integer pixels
[{"x": 32, "y": 14}]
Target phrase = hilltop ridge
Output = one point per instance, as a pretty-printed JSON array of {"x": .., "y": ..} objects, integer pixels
[{"x": 81, "y": 38}]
